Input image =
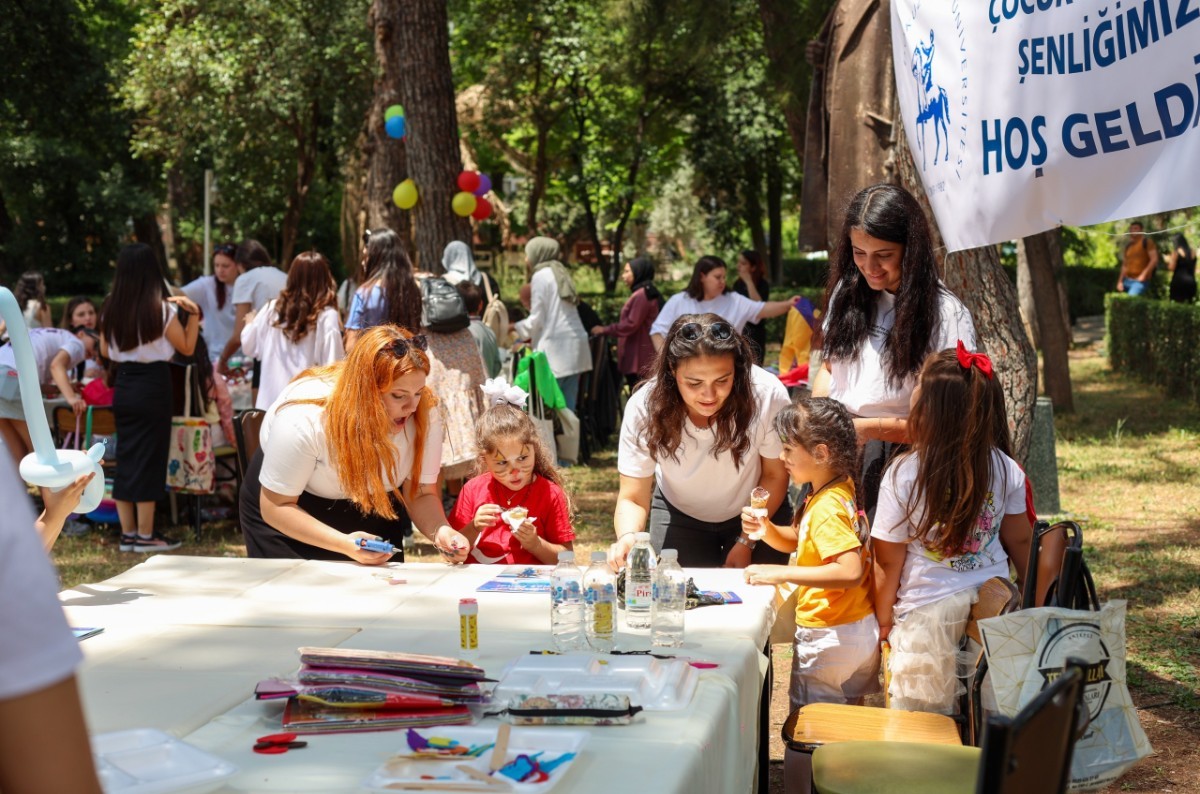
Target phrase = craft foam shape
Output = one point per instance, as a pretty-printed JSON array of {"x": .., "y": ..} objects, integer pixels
[{"x": 46, "y": 466}]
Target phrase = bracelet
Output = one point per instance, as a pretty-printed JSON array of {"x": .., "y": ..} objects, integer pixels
[{"x": 745, "y": 541}]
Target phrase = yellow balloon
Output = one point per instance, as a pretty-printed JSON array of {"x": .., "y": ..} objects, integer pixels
[
  {"x": 463, "y": 204},
  {"x": 405, "y": 194}
]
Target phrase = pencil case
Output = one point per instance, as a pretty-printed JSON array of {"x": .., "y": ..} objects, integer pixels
[{"x": 592, "y": 709}]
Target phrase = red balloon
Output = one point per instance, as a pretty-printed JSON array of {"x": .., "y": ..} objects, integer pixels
[
  {"x": 483, "y": 209},
  {"x": 468, "y": 181}
]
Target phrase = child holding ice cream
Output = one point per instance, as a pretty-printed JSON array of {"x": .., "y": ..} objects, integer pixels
[{"x": 515, "y": 512}]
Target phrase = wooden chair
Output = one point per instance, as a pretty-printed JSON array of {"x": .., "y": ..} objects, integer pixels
[
  {"x": 246, "y": 426},
  {"x": 1027, "y": 754},
  {"x": 104, "y": 423},
  {"x": 818, "y": 724}
]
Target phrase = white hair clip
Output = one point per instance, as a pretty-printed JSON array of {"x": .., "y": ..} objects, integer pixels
[{"x": 497, "y": 391}]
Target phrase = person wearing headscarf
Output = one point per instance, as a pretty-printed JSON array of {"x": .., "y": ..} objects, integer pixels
[
  {"x": 635, "y": 351},
  {"x": 553, "y": 325},
  {"x": 458, "y": 264}
]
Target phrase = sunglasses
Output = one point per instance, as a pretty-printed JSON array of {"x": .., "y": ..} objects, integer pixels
[
  {"x": 366, "y": 236},
  {"x": 228, "y": 249},
  {"x": 401, "y": 347},
  {"x": 721, "y": 331}
]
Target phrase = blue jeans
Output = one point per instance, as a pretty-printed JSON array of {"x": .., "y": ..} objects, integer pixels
[
  {"x": 570, "y": 389},
  {"x": 1133, "y": 286}
]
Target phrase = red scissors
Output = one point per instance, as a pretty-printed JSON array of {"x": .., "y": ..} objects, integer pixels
[{"x": 277, "y": 743}]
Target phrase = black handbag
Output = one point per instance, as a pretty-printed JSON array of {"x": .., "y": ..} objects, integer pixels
[{"x": 443, "y": 309}]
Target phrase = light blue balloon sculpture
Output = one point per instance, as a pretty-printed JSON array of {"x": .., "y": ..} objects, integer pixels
[{"x": 46, "y": 466}]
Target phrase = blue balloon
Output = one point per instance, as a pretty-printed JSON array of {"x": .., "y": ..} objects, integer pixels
[{"x": 395, "y": 127}]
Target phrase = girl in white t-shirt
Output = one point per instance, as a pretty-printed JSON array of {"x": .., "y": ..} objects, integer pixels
[{"x": 951, "y": 514}]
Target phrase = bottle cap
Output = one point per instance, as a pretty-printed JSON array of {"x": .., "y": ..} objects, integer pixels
[
  {"x": 467, "y": 601},
  {"x": 669, "y": 554},
  {"x": 566, "y": 555},
  {"x": 599, "y": 556},
  {"x": 641, "y": 537}
]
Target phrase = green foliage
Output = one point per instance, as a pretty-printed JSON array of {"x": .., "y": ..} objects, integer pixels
[
  {"x": 1156, "y": 342},
  {"x": 271, "y": 95},
  {"x": 68, "y": 188}
]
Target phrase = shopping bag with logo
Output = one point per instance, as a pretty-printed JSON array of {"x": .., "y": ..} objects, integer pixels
[
  {"x": 190, "y": 464},
  {"x": 1027, "y": 649}
]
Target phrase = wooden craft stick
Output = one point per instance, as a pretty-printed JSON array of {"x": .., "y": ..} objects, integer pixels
[
  {"x": 500, "y": 751},
  {"x": 498, "y": 784}
]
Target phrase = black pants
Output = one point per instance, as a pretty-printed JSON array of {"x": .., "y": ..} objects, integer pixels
[
  {"x": 705, "y": 544},
  {"x": 142, "y": 410},
  {"x": 263, "y": 540}
]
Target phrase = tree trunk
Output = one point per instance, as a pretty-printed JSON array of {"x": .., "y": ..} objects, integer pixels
[
  {"x": 1025, "y": 298},
  {"x": 751, "y": 188},
  {"x": 775, "y": 219},
  {"x": 1038, "y": 253},
  {"x": 787, "y": 24},
  {"x": 540, "y": 166},
  {"x": 386, "y": 165},
  {"x": 977, "y": 278},
  {"x": 306, "y": 167},
  {"x": 422, "y": 50}
]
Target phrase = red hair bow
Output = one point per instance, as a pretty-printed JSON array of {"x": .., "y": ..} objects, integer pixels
[{"x": 980, "y": 360}]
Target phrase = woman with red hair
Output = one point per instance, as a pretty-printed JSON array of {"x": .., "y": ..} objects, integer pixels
[{"x": 349, "y": 452}]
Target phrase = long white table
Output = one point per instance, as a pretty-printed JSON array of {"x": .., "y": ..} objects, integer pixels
[{"x": 186, "y": 638}]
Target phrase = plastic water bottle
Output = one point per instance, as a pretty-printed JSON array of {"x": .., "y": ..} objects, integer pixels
[
  {"x": 639, "y": 582},
  {"x": 566, "y": 604},
  {"x": 600, "y": 588},
  {"x": 670, "y": 601}
]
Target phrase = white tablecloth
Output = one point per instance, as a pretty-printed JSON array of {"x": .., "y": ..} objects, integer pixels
[{"x": 186, "y": 639}]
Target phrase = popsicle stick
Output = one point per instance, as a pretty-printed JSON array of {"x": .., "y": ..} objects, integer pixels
[
  {"x": 498, "y": 784},
  {"x": 436, "y": 785},
  {"x": 500, "y": 751}
]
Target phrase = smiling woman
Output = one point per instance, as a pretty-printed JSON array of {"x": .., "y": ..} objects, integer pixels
[
  {"x": 349, "y": 451},
  {"x": 695, "y": 441}
]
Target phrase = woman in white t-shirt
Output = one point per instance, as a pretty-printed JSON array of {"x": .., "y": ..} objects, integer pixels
[
  {"x": 349, "y": 452},
  {"x": 214, "y": 295},
  {"x": 951, "y": 514},
  {"x": 887, "y": 310},
  {"x": 140, "y": 331},
  {"x": 696, "y": 439},
  {"x": 298, "y": 330},
  {"x": 707, "y": 292}
]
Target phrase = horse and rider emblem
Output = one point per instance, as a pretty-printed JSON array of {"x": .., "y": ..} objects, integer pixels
[{"x": 934, "y": 105}]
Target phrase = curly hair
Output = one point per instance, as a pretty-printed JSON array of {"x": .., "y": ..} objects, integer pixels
[
  {"x": 502, "y": 422},
  {"x": 666, "y": 412},
  {"x": 362, "y": 447},
  {"x": 387, "y": 264},
  {"x": 957, "y": 421},
  {"x": 310, "y": 290},
  {"x": 813, "y": 421},
  {"x": 890, "y": 213}
]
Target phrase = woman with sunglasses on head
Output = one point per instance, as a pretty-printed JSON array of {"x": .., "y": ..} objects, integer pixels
[
  {"x": 887, "y": 311},
  {"x": 707, "y": 292},
  {"x": 214, "y": 295},
  {"x": 696, "y": 439},
  {"x": 349, "y": 452}
]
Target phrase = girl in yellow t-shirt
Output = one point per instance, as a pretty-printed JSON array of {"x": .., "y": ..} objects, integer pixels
[{"x": 836, "y": 657}]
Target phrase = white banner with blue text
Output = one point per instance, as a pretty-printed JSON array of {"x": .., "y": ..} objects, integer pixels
[{"x": 1023, "y": 115}]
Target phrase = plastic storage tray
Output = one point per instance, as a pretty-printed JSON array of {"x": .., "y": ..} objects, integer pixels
[
  {"x": 148, "y": 761},
  {"x": 430, "y": 774},
  {"x": 653, "y": 684}
]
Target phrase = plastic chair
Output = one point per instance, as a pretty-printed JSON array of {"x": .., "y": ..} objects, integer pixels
[{"x": 1026, "y": 754}]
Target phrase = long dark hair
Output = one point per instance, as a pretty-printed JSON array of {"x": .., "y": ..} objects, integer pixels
[
  {"x": 388, "y": 265},
  {"x": 29, "y": 287},
  {"x": 251, "y": 254},
  {"x": 890, "y": 213},
  {"x": 1180, "y": 243},
  {"x": 704, "y": 266},
  {"x": 957, "y": 421},
  {"x": 132, "y": 313},
  {"x": 666, "y": 412},
  {"x": 758, "y": 270},
  {"x": 310, "y": 290}
]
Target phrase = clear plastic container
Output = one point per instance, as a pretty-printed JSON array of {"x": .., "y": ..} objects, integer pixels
[{"x": 670, "y": 601}]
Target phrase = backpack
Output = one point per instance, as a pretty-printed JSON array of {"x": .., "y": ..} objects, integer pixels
[
  {"x": 443, "y": 311},
  {"x": 495, "y": 314}
]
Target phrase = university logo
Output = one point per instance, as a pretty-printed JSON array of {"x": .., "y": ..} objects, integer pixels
[
  {"x": 933, "y": 104},
  {"x": 1081, "y": 640}
]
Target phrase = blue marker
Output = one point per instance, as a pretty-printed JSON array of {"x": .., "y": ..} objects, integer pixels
[{"x": 376, "y": 545}]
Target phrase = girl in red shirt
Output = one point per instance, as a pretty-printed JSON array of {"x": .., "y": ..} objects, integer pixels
[{"x": 518, "y": 474}]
